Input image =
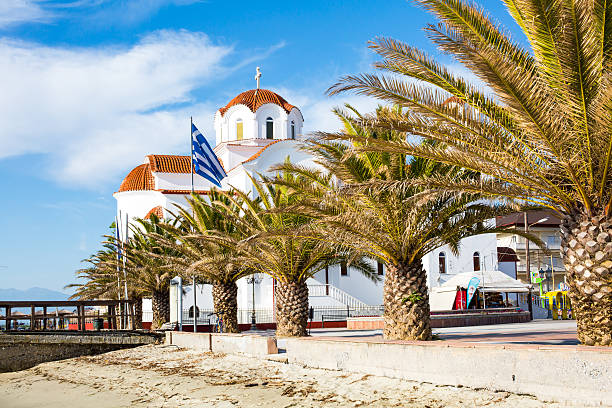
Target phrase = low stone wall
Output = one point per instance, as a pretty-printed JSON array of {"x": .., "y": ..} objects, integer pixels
[
  {"x": 576, "y": 374},
  {"x": 21, "y": 351},
  {"x": 439, "y": 321},
  {"x": 197, "y": 341},
  {"x": 247, "y": 344}
]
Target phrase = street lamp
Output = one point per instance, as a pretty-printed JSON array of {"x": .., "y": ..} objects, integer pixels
[
  {"x": 253, "y": 280},
  {"x": 527, "y": 257}
]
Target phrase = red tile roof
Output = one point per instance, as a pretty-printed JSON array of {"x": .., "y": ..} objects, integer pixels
[
  {"x": 158, "y": 211},
  {"x": 139, "y": 178},
  {"x": 169, "y": 163},
  {"x": 255, "y": 98}
]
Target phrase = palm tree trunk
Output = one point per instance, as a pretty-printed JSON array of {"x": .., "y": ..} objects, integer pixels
[
  {"x": 291, "y": 309},
  {"x": 587, "y": 254},
  {"x": 406, "y": 302},
  {"x": 137, "y": 313},
  {"x": 161, "y": 308},
  {"x": 225, "y": 299}
]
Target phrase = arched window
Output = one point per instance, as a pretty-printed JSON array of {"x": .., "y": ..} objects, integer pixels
[
  {"x": 239, "y": 129},
  {"x": 191, "y": 311},
  {"x": 476, "y": 261},
  {"x": 292, "y": 130},
  {"x": 442, "y": 262},
  {"x": 269, "y": 128}
]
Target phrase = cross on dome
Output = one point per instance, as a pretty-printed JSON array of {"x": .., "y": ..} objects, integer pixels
[{"x": 257, "y": 76}]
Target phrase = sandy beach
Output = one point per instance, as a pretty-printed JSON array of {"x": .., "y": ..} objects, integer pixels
[{"x": 165, "y": 376}]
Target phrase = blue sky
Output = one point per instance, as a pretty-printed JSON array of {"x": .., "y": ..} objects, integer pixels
[{"x": 89, "y": 87}]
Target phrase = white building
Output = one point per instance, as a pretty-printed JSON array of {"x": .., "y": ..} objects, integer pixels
[{"x": 255, "y": 130}]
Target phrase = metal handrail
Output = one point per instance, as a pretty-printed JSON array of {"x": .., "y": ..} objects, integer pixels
[{"x": 336, "y": 294}]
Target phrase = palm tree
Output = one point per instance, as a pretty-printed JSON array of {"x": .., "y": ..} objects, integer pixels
[
  {"x": 103, "y": 278},
  {"x": 152, "y": 264},
  {"x": 540, "y": 128},
  {"x": 395, "y": 226},
  {"x": 203, "y": 257},
  {"x": 268, "y": 242}
]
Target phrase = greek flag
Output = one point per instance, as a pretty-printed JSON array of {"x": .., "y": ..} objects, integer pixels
[{"x": 205, "y": 161}]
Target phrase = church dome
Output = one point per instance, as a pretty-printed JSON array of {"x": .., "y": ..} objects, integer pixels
[
  {"x": 140, "y": 178},
  {"x": 256, "y": 98}
]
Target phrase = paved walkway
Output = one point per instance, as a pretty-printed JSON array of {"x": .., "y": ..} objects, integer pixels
[{"x": 537, "y": 332}]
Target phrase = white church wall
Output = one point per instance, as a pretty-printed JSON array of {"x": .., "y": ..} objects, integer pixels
[
  {"x": 238, "y": 179},
  {"x": 296, "y": 116},
  {"x": 232, "y": 155},
  {"x": 173, "y": 200},
  {"x": 485, "y": 245},
  {"x": 229, "y": 120},
  {"x": 279, "y": 118},
  {"x": 276, "y": 154},
  {"x": 136, "y": 204},
  {"x": 203, "y": 296},
  {"x": 355, "y": 284},
  {"x": 180, "y": 181}
]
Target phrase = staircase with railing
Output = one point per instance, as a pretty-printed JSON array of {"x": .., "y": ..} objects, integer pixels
[{"x": 319, "y": 290}]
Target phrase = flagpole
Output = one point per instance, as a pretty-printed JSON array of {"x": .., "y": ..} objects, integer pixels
[
  {"x": 191, "y": 146},
  {"x": 117, "y": 239},
  {"x": 126, "y": 307},
  {"x": 118, "y": 248}
]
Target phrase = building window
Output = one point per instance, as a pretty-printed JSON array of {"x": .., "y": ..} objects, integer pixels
[
  {"x": 381, "y": 268},
  {"x": 343, "y": 269},
  {"x": 476, "y": 261},
  {"x": 197, "y": 309},
  {"x": 269, "y": 128},
  {"x": 293, "y": 130},
  {"x": 239, "y": 130},
  {"x": 553, "y": 241},
  {"x": 442, "y": 262}
]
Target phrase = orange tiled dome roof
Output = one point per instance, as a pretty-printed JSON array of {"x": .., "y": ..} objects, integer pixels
[
  {"x": 157, "y": 211},
  {"x": 255, "y": 98},
  {"x": 139, "y": 178}
]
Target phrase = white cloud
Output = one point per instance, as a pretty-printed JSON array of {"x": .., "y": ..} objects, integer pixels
[
  {"x": 19, "y": 11},
  {"x": 94, "y": 113},
  {"x": 99, "y": 12}
]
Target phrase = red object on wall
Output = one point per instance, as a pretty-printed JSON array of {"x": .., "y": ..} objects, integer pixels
[{"x": 460, "y": 300}]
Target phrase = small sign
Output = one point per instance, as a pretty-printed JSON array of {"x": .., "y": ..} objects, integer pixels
[
  {"x": 563, "y": 286},
  {"x": 471, "y": 289}
]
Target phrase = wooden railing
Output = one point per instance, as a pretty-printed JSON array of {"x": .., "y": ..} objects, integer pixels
[{"x": 119, "y": 313}]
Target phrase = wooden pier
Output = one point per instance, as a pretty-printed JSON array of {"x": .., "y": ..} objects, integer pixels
[{"x": 119, "y": 313}]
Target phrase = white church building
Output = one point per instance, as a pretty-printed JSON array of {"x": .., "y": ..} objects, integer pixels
[{"x": 255, "y": 130}]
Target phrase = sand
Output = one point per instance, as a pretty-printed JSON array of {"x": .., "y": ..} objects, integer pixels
[{"x": 165, "y": 376}]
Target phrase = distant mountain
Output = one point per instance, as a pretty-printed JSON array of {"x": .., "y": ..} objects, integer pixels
[{"x": 34, "y": 293}]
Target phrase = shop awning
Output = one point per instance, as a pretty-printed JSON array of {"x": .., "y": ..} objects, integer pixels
[{"x": 490, "y": 281}]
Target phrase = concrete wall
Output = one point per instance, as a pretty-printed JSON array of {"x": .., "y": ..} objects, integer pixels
[
  {"x": 250, "y": 345},
  {"x": 580, "y": 375},
  {"x": 22, "y": 351},
  {"x": 455, "y": 320}
]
